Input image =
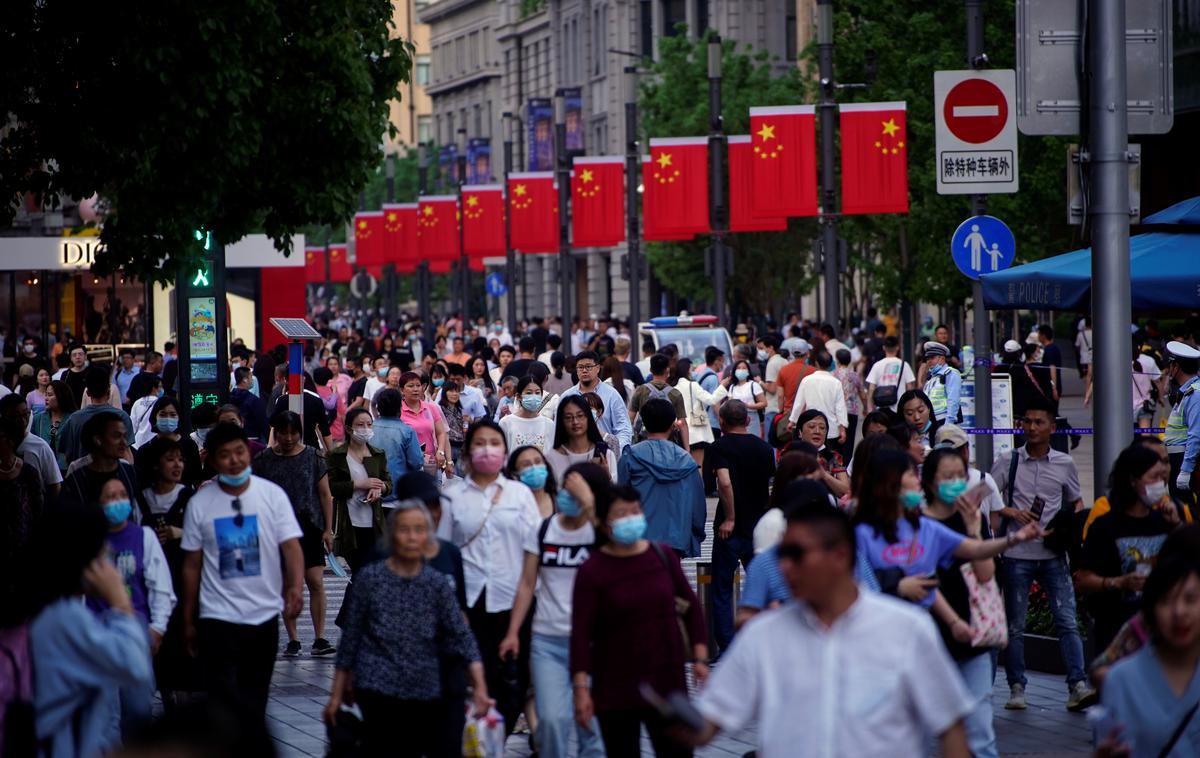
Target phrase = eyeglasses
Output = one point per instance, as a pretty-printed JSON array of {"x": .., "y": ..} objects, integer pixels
[
  {"x": 239, "y": 518},
  {"x": 586, "y": 367}
]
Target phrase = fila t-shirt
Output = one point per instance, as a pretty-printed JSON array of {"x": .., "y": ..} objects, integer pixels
[
  {"x": 241, "y": 580},
  {"x": 560, "y": 555}
]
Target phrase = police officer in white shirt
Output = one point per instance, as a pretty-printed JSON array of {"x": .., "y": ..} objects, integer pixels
[{"x": 864, "y": 692}]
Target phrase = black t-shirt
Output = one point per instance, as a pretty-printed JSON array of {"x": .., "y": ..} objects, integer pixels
[
  {"x": 76, "y": 381},
  {"x": 751, "y": 464},
  {"x": 954, "y": 588},
  {"x": 633, "y": 373},
  {"x": 357, "y": 389},
  {"x": 1115, "y": 545},
  {"x": 539, "y": 335}
]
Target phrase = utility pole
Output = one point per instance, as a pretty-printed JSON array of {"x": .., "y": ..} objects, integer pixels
[
  {"x": 423, "y": 283},
  {"x": 1108, "y": 218},
  {"x": 566, "y": 268},
  {"x": 633, "y": 174},
  {"x": 510, "y": 257},
  {"x": 388, "y": 294},
  {"x": 716, "y": 192},
  {"x": 829, "y": 192},
  {"x": 464, "y": 269},
  {"x": 977, "y": 59}
]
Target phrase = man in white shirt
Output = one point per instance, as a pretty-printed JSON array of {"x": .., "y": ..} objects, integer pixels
[
  {"x": 768, "y": 350},
  {"x": 554, "y": 345},
  {"x": 822, "y": 391},
  {"x": 863, "y": 694},
  {"x": 34, "y": 450},
  {"x": 890, "y": 371},
  {"x": 377, "y": 380},
  {"x": 242, "y": 566}
]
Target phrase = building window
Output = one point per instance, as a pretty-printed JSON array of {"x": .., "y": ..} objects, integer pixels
[
  {"x": 792, "y": 34},
  {"x": 599, "y": 40},
  {"x": 646, "y": 29},
  {"x": 702, "y": 16},
  {"x": 473, "y": 48},
  {"x": 674, "y": 12},
  {"x": 423, "y": 70},
  {"x": 460, "y": 56},
  {"x": 478, "y": 121},
  {"x": 424, "y": 128}
]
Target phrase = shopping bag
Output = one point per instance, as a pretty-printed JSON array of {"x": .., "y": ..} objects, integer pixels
[{"x": 483, "y": 737}]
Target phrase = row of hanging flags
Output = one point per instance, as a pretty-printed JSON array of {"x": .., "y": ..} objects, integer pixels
[{"x": 772, "y": 177}]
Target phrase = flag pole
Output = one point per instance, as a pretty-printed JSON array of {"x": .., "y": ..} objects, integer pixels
[
  {"x": 633, "y": 173},
  {"x": 829, "y": 189},
  {"x": 423, "y": 267},
  {"x": 982, "y": 369},
  {"x": 464, "y": 266},
  {"x": 716, "y": 157},
  {"x": 566, "y": 272},
  {"x": 510, "y": 256}
]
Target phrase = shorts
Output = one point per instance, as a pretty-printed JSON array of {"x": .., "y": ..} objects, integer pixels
[{"x": 311, "y": 544}]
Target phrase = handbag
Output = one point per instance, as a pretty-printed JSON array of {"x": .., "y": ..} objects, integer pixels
[
  {"x": 695, "y": 418},
  {"x": 989, "y": 624},
  {"x": 682, "y": 604}
]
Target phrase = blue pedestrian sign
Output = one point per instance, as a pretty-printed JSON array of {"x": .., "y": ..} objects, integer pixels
[
  {"x": 981, "y": 245},
  {"x": 495, "y": 284}
]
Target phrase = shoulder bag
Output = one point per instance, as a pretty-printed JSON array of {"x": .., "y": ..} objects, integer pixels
[
  {"x": 486, "y": 516},
  {"x": 695, "y": 417},
  {"x": 682, "y": 604},
  {"x": 988, "y": 622}
]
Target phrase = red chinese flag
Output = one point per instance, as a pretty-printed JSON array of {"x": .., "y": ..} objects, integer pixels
[
  {"x": 340, "y": 269},
  {"x": 400, "y": 236},
  {"x": 440, "y": 267},
  {"x": 742, "y": 217},
  {"x": 533, "y": 212},
  {"x": 874, "y": 158},
  {"x": 483, "y": 220},
  {"x": 437, "y": 228},
  {"x": 675, "y": 198},
  {"x": 368, "y": 238},
  {"x": 314, "y": 264},
  {"x": 598, "y": 201},
  {"x": 651, "y": 231},
  {"x": 783, "y": 139}
]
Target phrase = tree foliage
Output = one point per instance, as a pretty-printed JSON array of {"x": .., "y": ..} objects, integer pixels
[{"x": 227, "y": 117}]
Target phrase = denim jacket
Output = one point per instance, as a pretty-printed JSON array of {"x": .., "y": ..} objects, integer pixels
[{"x": 399, "y": 442}]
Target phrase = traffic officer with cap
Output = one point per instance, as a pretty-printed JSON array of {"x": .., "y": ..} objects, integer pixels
[
  {"x": 1182, "y": 437},
  {"x": 944, "y": 385}
]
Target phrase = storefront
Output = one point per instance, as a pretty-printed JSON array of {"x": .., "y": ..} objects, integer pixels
[{"x": 47, "y": 290}]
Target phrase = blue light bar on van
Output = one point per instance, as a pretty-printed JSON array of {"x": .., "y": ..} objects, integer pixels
[{"x": 664, "y": 322}]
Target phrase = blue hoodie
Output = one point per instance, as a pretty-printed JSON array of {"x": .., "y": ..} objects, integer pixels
[{"x": 672, "y": 493}]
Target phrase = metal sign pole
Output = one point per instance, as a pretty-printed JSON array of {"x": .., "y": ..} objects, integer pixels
[
  {"x": 982, "y": 370},
  {"x": 829, "y": 199}
]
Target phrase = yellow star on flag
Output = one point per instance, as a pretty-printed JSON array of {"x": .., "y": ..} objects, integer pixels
[
  {"x": 362, "y": 224},
  {"x": 664, "y": 160},
  {"x": 585, "y": 176},
  {"x": 391, "y": 217},
  {"x": 519, "y": 190},
  {"x": 472, "y": 201},
  {"x": 890, "y": 128},
  {"x": 428, "y": 211},
  {"x": 767, "y": 132}
]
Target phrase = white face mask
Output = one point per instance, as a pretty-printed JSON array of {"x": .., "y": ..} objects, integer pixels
[
  {"x": 1154, "y": 493},
  {"x": 364, "y": 435}
]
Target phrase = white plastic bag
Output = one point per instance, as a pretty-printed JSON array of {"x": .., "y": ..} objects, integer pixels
[{"x": 483, "y": 737}]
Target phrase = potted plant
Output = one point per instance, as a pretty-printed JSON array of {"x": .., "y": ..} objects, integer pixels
[{"x": 1041, "y": 636}]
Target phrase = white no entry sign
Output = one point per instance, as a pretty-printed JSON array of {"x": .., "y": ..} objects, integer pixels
[{"x": 976, "y": 132}]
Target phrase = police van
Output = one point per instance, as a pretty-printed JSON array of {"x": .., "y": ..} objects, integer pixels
[{"x": 691, "y": 334}]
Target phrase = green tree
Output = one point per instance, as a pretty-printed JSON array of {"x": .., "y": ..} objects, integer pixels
[
  {"x": 262, "y": 114},
  {"x": 674, "y": 103}
]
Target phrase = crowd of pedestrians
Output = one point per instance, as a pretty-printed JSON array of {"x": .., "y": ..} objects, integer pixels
[{"x": 513, "y": 515}]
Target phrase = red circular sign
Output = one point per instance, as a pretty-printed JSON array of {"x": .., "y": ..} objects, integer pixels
[{"x": 975, "y": 111}]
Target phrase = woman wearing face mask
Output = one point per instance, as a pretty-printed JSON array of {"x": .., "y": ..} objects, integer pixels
[
  {"x": 625, "y": 632},
  {"x": 905, "y": 550},
  {"x": 164, "y": 419},
  {"x": 60, "y": 404},
  {"x": 742, "y": 387},
  {"x": 139, "y": 411},
  {"x": 489, "y": 518},
  {"x": 358, "y": 480},
  {"x": 577, "y": 439},
  {"x": 944, "y": 482},
  {"x": 1123, "y": 545},
  {"x": 697, "y": 401},
  {"x": 916, "y": 409},
  {"x": 551, "y": 578},
  {"x": 526, "y": 425},
  {"x": 528, "y": 466},
  {"x": 812, "y": 427},
  {"x": 437, "y": 380}
]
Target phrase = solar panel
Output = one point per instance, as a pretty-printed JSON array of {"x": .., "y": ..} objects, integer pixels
[{"x": 295, "y": 328}]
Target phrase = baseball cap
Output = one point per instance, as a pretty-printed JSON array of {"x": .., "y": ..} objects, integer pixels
[
  {"x": 1012, "y": 346},
  {"x": 949, "y": 435}
]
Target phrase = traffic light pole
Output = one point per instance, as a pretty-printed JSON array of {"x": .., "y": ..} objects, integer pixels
[
  {"x": 1108, "y": 218},
  {"x": 829, "y": 190},
  {"x": 976, "y": 59},
  {"x": 633, "y": 264},
  {"x": 716, "y": 198},
  {"x": 566, "y": 268}
]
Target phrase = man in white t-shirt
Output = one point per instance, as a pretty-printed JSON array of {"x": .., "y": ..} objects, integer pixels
[
  {"x": 242, "y": 566},
  {"x": 376, "y": 381},
  {"x": 822, "y": 391},
  {"x": 34, "y": 450},
  {"x": 863, "y": 693},
  {"x": 1083, "y": 346},
  {"x": 891, "y": 371},
  {"x": 768, "y": 350}
]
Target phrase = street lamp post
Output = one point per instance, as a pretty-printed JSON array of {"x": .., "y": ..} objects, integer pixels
[
  {"x": 388, "y": 293},
  {"x": 828, "y": 110},
  {"x": 423, "y": 283},
  {"x": 983, "y": 336},
  {"x": 716, "y": 164},
  {"x": 464, "y": 270},
  {"x": 633, "y": 174},
  {"x": 510, "y": 256},
  {"x": 566, "y": 271}
]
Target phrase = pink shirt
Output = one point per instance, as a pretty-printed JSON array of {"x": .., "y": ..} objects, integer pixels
[{"x": 423, "y": 422}]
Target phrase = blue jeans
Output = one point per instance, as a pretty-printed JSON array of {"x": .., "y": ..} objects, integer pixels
[
  {"x": 981, "y": 733},
  {"x": 725, "y": 557},
  {"x": 768, "y": 421},
  {"x": 1055, "y": 577},
  {"x": 551, "y": 674}
]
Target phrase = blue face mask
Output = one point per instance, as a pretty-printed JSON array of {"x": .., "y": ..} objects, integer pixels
[
  {"x": 912, "y": 499},
  {"x": 938, "y": 369},
  {"x": 235, "y": 480},
  {"x": 567, "y": 504},
  {"x": 167, "y": 424},
  {"x": 438, "y": 382},
  {"x": 117, "y": 511},
  {"x": 928, "y": 423},
  {"x": 159, "y": 393},
  {"x": 202, "y": 435},
  {"x": 762, "y": 355},
  {"x": 742, "y": 374},
  {"x": 531, "y": 403},
  {"x": 949, "y": 491},
  {"x": 534, "y": 477},
  {"x": 628, "y": 530}
]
